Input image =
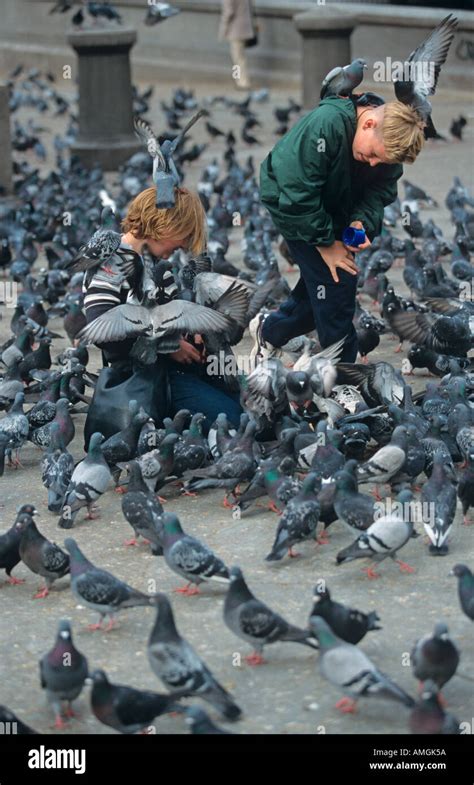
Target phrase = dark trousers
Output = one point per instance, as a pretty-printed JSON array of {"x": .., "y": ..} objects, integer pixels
[
  {"x": 191, "y": 388},
  {"x": 316, "y": 301}
]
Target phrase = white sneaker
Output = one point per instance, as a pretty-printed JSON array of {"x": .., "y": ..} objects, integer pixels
[{"x": 262, "y": 350}]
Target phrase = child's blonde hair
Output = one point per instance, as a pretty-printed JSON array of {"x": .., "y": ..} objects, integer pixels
[
  {"x": 402, "y": 133},
  {"x": 186, "y": 220}
]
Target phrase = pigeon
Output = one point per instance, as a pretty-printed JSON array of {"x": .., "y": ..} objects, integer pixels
[
  {"x": 428, "y": 716},
  {"x": 444, "y": 334},
  {"x": 42, "y": 436},
  {"x": 378, "y": 382},
  {"x": 57, "y": 468},
  {"x": 425, "y": 65},
  {"x": 122, "y": 446},
  {"x": 157, "y": 465},
  {"x": 465, "y": 588},
  {"x": 101, "y": 246},
  {"x": 384, "y": 537},
  {"x": 466, "y": 487},
  {"x": 41, "y": 556},
  {"x": 159, "y": 12},
  {"x": 256, "y": 623},
  {"x": 387, "y": 461},
  {"x": 456, "y": 127},
  {"x": 415, "y": 192},
  {"x": 357, "y": 510},
  {"x": 349, "y": 669},
  {"x": 143, "y": 511},
  {"x": 436, "y": 363},
  {"x": 299, "y": 519},
  {"x": 435, "y": 657},
  {"x": 189, "y": 557},
  {"x": 10, "y": 544},
  {"x": 162, "y": 325},
  {"x": 89, "y": 481},
  {"x": 14, "y": 428},
  {"x": 438, "y": 497},
  {"x": 347, "y": 623},
  {"x": 9, "y": 720},
  {"x": 178, "y": 666},
  {"x": 201, "y": 724},
  {"x": 342, "y": 81},
  {"x": 100, "y": 590},
  {"x": 63, "y": 672},
  {"x": 126, "y": 709}
]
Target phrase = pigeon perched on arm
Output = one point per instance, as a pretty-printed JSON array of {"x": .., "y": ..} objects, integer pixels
[
  {"x": 100, "y": 590},
  {"x": 424, "y": 68},
  {"x": 89, "y": 481},
  {"x": 179, "y": 667},
  {"x": 342, "y": 80},
  {"x": 63, "y": 672},
  {"x": 349, "y": 669}
]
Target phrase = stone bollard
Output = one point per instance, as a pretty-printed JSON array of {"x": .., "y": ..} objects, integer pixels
[
  {"x": 106, "y": 134},
  {"x": 6, "y": 168},
  {"x": 326, "y": 43}
]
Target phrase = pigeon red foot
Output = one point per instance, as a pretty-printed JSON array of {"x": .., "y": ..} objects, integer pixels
[{"x": 254, "y": 659}]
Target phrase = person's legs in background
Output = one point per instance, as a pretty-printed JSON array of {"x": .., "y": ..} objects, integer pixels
[
  {"x": 239, "y": 58},
  {"x": 294, "y": 317},
  {"x": 333, "y": 304}
]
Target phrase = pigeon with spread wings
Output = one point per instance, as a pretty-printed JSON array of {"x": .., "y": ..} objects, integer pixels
[{"x": 425, "y": 66}]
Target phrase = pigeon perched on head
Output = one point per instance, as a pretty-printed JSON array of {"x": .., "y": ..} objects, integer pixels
[
  {"x": 126, "y": 709},
  {"x": 89, "y": 481},
  {"x": 384, "y": 537},
  {"x": 428, "y": 716},
  {"x": 100, "y": 590},
  {"x": 178, "y": 666},
  {"x": 189, "y": 557},
  {"x": 465, "y": 588},
  {"x": 347, "y": 623},
  {"x": 256, "y": 623},
  {"x": 435, "y": 657},
  {"x": 349, "y": 669},
  {"x": 41, "y": 556},
  {"x": 342, "y": 80},
  {"x": 424, "y": 65},
  {"x": 63, "y": 671}
]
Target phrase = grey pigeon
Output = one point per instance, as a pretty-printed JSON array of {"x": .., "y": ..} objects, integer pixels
[
  {"x": 357, "y": 510},
  {"x": 100, "y": 590},
  {"x": 143, "y": 511},
  {"x": 178, "y": 666},
  {"x": 10, "y": 544},
  {"x": 101, "y": 246},
  {"x": 126, "y": 709},
  {"x": 343, "y": 80},
  {"x": 299, "y": 519},
  {"x": 256, "y": 623},
  {"x": 384, "y": 538},
  {"x": 465, "y": 588},
  {"x": 189, "y": 557},
  {"x": 424, "y": 67},
  {"x": 14, "y": 429},
  {"x": 439, "y": 497},
  {"x": 41, "y": 556},
  {"x": 88, "y": 482},
  {"x": 349, "y": 669},
  {"x": 386, "y": 462},
  {"x": 63, "y": 671},
  {"x": 435, "y": 656},
  {"x": 201, "y": 724},
  {"x": 57, "y": 467}
]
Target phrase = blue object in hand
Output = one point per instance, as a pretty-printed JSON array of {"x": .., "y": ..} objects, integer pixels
[{"x": 353, "y": 237}]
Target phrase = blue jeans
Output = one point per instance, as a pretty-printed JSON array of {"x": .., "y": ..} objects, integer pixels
[
  {"x": 191, "y": 388},
  {"x": 316, "y": 301}
]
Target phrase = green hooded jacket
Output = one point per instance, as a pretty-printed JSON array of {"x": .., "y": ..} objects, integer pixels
[{"x": 312, "y": 185}]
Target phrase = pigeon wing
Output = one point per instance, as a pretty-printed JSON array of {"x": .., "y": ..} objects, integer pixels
[
  {"x": 116, "y": 324},
  {"x": 433, "y": 52}
]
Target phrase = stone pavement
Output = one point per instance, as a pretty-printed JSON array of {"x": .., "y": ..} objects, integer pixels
[{"x": 286, "y": 695}]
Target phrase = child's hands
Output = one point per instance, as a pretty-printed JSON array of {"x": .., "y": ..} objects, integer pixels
[
  {"x": 187, "y": 353},
  {"x": 362, "y": 246},
  {"x": 337, "y": 255}
]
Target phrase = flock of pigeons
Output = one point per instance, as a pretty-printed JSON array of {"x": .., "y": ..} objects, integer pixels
[{"x": 313, "y": 431}]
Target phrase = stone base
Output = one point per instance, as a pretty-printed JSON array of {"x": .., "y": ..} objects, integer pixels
[{"x": 108, "y": 155}]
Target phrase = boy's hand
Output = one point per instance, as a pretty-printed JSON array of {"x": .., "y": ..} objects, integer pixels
[
  {"x": 362, "y": 246},
  {"x": 337, "y": 255},
  {"x": 187, "y": 353}
]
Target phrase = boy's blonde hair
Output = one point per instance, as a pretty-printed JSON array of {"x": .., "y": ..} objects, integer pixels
[
  {"x": 402, "y": 133},
  {"x": 186, "y": 220}
]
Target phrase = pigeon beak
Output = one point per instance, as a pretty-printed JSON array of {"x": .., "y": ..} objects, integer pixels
[{"x": 89, "y": 681}]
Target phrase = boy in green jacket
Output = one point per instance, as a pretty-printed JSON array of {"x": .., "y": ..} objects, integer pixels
[{"x": 337, "y": 167}]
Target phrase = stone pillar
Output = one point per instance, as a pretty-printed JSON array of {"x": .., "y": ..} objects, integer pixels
[
  {"x": 326, "y": 40},
  {"x": 6, "y": 170},
  {"x": 106, "y": 134}
]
